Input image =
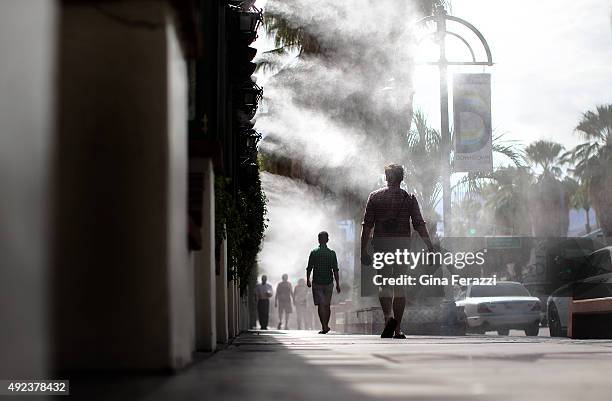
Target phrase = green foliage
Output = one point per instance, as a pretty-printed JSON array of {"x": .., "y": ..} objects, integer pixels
[
  {"x": 547, "y": 155},
  {"x": 241, "y": 221},
  {"x": 289, "y": 36},
  {"x": 578, "y": 191},
  {"x": 593, "y": 161},
  {"x": 510, "y": 149},
  {"x": 427, "y": 6},
  {"x": 423, "y": 157},
  {"x": 470, "y": 218},
  {"x": 593, "y": 158},
  {"x": 507, "y": 196},
  {"x": 424, "y": 149}
]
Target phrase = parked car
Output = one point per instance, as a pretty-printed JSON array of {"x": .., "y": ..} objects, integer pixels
[
  {"x": 592, "y": 280},
  {"x": 501, "y": 307}
]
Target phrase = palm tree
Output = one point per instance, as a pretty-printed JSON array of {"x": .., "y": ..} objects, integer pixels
[
  {"x": 547, "y": 155},
  {"x": 422, "y": 163},
  {"x": 593, "y": 161},
  {"x": 423, "y": 167},
  {"x": 506, "y": 195},
  {"x": 502, "y": 194},
  {"x": 471, "y": 218},
  {"x": 549, "y": 203},
  {"x": 579, "y": 198}
]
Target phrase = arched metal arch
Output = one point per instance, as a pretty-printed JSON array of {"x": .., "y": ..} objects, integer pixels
[
  {"x": 465, "y": 42},
  {"x": 471, "y": 27}
]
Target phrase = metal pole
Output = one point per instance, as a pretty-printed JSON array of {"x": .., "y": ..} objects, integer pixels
[{"x": 444, "y": 124}]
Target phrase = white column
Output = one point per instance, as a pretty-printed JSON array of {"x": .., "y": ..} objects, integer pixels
[
  {"x": 244, "y": 313},
  {"x": 122, "y": 277},
  {"x": 180, "y": 270},
  {"x": 222, "y": 298},
  {"x": 237, "y": 306},
  {"x": 206, "y": 322},
  {"x": 232, "y": 308},
  {"x": 28, "y": 52}
]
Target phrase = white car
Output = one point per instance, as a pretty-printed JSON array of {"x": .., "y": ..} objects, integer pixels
[{"x": 501, "y": 307}]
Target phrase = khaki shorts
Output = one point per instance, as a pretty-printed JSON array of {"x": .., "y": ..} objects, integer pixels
[
  {"x": 409, "y": 292},
  {"x": 393, "y": 291},
  {"x": 322, "y": 293},
  {"x": 285, "y": 306}
]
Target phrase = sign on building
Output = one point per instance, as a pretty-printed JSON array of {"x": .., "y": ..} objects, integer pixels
[{"x": 472, "y": 123}]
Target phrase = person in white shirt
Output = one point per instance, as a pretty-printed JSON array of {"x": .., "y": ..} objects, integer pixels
[
  {"x": 282, "y": 301},
  {"x": 263, "y": 293},
  {"x": 300, "y": 299}
]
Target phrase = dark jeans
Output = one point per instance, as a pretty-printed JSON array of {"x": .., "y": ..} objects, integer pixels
[{"x": 263, "y": 310}]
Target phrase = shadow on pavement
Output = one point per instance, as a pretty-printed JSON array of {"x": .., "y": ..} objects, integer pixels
[
  {"x": 303, "y": 366},
  {"x": 256, "y": 366}
]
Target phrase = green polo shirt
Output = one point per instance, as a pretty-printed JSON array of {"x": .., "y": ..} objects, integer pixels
[{"x": 323, "y": 263}]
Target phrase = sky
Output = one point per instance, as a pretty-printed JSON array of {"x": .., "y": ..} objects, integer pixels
[{"x": 553, "y": 61}]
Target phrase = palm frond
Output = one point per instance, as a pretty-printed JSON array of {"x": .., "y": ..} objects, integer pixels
[
  {"x": 289, "y": 35},
  {"x": 270, "y": 61},
  {"x": 596, "y": 125},
  {"x": 278, "y": 51},
  {"x": 593, "y": 157},
  {"x": 546, "y": 154},
  {"x": 510, "y": 148}
]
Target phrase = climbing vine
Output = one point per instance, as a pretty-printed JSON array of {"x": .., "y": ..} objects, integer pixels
[{"x": 241, "y": 221}]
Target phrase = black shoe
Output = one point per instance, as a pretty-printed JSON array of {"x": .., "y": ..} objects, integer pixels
[
  {"x": 389, "y": 328},
  {"x": 325, "y": 331},
  {"x": 400, "y": 336}
]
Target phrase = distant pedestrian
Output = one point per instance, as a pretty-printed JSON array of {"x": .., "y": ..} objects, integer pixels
[
  {"x": 283, "y": 300},
  {"x": 300, "y": 300},
  {"x": 263, "y": 292},
  {"x": 324, "y": 265}
]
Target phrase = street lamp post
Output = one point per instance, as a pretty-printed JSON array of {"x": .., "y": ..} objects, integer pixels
[
  {"x": 444, "y": 123},
  {"x": 441, "y": 17}
]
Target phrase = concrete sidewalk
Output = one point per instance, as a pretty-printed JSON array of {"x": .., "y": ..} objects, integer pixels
[{"x": 294, "y": 365}]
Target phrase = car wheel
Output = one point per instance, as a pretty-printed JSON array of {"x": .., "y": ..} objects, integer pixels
[
  {"x": 460, "y": 329},
  {"x": 533, "y": 330},
  {"x": 554, "y": 324},
  {"x": 461, "y": 326},
  {"x": 477, "y": 330},
  {"x": 503, "y": 332}
]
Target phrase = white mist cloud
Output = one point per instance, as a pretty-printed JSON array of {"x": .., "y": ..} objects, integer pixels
[
  {"x": 297, "y": 213},
  {"x": 320, "y": 137},
  {"x": 342, "y": 114},
  {"x": 337, "y": 116}
]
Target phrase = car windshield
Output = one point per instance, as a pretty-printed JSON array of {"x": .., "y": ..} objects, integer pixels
[
  {"x": 499, "y": 290},
  {"x": 600, "y": 261}
]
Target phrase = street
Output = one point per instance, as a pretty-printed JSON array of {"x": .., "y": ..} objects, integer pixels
[
  {"x": 299, "y": 365},
  {"x": 184, "y": 183}
]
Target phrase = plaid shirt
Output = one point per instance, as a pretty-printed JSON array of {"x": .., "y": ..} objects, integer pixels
[
  {"x": 322, "y": 262},
  {"x": 392, "y": 203}
]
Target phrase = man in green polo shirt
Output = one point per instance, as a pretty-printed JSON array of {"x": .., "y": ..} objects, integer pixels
[{"x": 324, "y": 265}]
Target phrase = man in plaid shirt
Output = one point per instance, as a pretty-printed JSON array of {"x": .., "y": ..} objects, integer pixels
[
  {"x": 323, "y": 263},
  {"x": 389, "y": 212}
]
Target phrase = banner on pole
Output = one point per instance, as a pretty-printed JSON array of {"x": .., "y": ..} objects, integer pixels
[{"x": 472, "y": 123}]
